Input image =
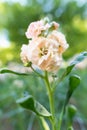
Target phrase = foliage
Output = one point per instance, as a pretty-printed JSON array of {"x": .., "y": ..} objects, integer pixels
[
  {"x": 30, "y": 103},
  {"x": 13, "y": 87}
]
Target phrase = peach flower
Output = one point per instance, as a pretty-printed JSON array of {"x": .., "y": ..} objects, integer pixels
[
  {"x": 44, "y": 52},
  {"x": 36, "y": 28},
  {"x": 60, "y": 38},
  {"x": 24, "y": 51}
]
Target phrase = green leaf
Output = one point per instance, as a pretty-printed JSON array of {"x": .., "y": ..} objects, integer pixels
[
  {"x": 71, "y": 111},
  {"x": 74, "y": 81},
  {"x": 29, "y": 103},
  {"x": 2, "y": 71},
  {"x": 77, "y": 60}
]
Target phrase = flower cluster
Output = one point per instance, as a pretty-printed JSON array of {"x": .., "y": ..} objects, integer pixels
[{"x": 46, "y": 45}]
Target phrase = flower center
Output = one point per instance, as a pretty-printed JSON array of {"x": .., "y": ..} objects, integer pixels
[{"x": 43, "y": 51}]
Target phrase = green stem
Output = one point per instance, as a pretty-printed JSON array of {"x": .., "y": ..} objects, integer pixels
[
  {"x": 37, "y": 72},
  {"x": 51, "y": 100}
]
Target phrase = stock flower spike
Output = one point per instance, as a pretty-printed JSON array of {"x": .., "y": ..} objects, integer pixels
[{"x": 46, "y": 45}]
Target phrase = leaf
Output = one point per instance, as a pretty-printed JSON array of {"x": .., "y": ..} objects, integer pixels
[
  {"x": 77, "y": 60},
  {"x": 29, "y": 103},
  {"x": 71, "y": 112},
  {"x": 74, "y": 81},
  {"x": 71, "y": 109},
  {"x": 2, "y": 71}
]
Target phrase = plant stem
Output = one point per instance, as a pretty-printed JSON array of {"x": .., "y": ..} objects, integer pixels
[
  {"x": 37, "y": 72},
  {"x": 51, "y": 100}
]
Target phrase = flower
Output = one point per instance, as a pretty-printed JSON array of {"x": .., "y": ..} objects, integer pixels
[
  {"x": 44, "y": 51},
  {"x": 24, "y": 51},
  {"x": 36, "y": 28},
  {"x": 60, "y": 38}
]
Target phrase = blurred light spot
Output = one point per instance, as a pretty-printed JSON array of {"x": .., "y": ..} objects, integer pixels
[
  {"x": 81, "y": 2},
  {"x": 9, "y": 56},
  {"x": 4, "y": 43},
  {"x": 80, "y": 24},
  {"x": 58, "y": 12},
  {"x": 48, "y": 6},
  {"x": 40, "y": 1},
  {"x": 22, "y": 2}
]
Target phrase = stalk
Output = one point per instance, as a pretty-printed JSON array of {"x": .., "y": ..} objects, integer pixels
[{"x": 51, "y": 100}]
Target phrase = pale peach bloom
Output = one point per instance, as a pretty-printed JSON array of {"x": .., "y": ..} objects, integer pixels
[
  {"x": 43, "y": 52},
  {"x": 24, "y": 51},
  {"x": 60, "y": 38},
  {"x": 51, "y": 63},
  {"x": 35, "y": 29}
]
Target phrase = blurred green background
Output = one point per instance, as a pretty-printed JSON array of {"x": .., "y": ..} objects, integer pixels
[{"x": 15, "y": 16}]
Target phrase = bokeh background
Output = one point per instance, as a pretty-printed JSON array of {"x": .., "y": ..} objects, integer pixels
[{"x": 15, "y": 16}]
